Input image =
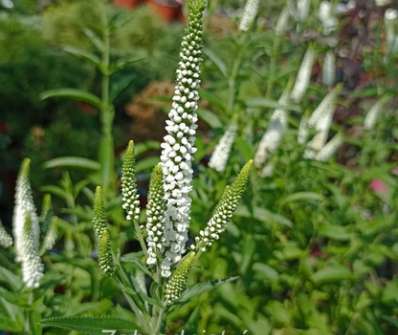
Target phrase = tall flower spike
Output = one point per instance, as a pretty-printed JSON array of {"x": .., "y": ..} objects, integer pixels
[
  {"x": 220, "y": 156},
  {"x": 329, "y": 69},
  {"x": 178, "y": 281},
  {"x": 5, "y": 238},
  {"x": 130, "y": 197},
  {"x": 178, "y": 146},
  {"x": 374, "y": 112},
  {"x": 155, "y": 216},
  {"x": 275, "y": 131},
  {"x": 249, "y": 14},
  {"x": 327, "y": 16},
  {"x": 26, "y": 229},
  {"x": 101, "y": 230},
  {"x": 304, "y": 75},
  {"x": 282, "y": 23},
  {"x": 224, "y": 211},
  {"x": 321, "y": 121},
  {"x": 303, "y": 9}
]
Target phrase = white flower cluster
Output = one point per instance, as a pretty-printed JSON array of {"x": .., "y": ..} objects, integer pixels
[
  {"x": 220, "y": 156},
  {"x": 26, "y": 230},
  {"x": 178, "y": 146},
  {"x": 275, "y": 131},
  {"x": 303, "y": 76},
  {"x": 5, "y": 238},
  {"x": 249, "y": 14}
]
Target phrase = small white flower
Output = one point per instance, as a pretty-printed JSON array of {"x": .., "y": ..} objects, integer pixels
[
  {"x": 275, "y": 131},
  {"x": 329, "y": 69},
  {"x": 220, "y": 156},
  {"x": 249, "y": 14},
  {"x": 303, "y": 76},
  {"x": 374, "y": 112},
  {"x": 327, "y": 17}
]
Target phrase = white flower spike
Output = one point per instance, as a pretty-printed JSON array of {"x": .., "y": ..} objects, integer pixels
[
  {"x": 329, "y": 69},
  {"x": 274, "y": 134},
  {"x": 219, "y": 158},
  {"x": 178, "y": 146},
  {"x": 374, "y": 112},
  {"x": 26, "y": 230},
  {"x": 249, "y": 14},
  {"x": 330, "y": 148},
  {"x": 303, "y": 76}
]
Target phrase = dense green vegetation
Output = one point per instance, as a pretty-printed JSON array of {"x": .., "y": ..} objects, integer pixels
[{"x": 296, "y": 159}]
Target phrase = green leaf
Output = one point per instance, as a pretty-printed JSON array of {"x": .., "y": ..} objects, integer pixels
[
  {"x": 266, "y": 271},
  {"x": 210, "y": 118},
  {"x": 89, "y": 325},
  {"x": 334, "y": 232},
  {"x": 302, "y": 196},
  {"x": 268, "y": 103},
  {"x": 16, "y": 298},
  {"x": 332, "y": 274},
  {"x": 146, "y": 164},
  {"x": 203, "y": 287},
  {"x": 136, "y": 259},
  {"x": 217, "y": 61},
  {"x": 73, "y": 94},
  {"x": 8, "y": 277},
  {"x": 6, "y": 324},
  {"x": 82, "y": 54},
  {"x": 74, "y": 162}
]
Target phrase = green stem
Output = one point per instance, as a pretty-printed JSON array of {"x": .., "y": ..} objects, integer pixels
[
  {"x": 107, "y": 111},
  {"x": 233, "y": 84}
]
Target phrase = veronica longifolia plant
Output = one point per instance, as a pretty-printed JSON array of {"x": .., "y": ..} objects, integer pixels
[{"x": 164, "y": 261}]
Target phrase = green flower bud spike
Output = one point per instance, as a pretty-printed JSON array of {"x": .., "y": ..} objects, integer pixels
[
  {"x": 105, "y": 259},
  {"x": 155, "y": 215},
  {"x": 101, "y": 229},
  {"x": 130, "y": 197},
  {"x": 178, "y": 281},
  {"x": 224, "y": 211}
]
